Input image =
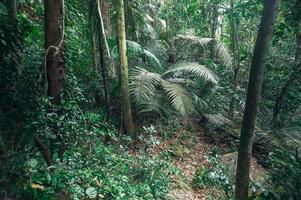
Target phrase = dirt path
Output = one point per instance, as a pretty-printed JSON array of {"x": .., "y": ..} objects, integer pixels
[{"x": 191, "y": 149}]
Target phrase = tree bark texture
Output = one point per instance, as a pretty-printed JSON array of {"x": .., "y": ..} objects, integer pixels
[
  {"x": 125, "y": 95},
  {"x": 214, "y": 24},
  {"x": 54, "y": 43},
  {"x": 93, "y": 50},
  {"x": 102, "y": 43},
  {"x": 42, "y": 147},
  {"x": 236, "y": 58},
  {"x": 264, "y": 37}
]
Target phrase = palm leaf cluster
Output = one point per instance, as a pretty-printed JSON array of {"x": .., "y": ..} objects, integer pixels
[
  {"x": 152, "y": 91},
  {"x": 135, "y": 50},
  {"x": 221, "y": 52},
  {"x": 149, "y": 90},
  {"x": 287, "y": 137}
]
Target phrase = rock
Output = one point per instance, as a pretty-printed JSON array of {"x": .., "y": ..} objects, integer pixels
[
  {"x": 258, "y": 173},
  {"x": 181, "y": 195}
]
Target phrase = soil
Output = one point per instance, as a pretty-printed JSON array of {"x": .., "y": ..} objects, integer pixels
[{"x": 195, "y": 151}]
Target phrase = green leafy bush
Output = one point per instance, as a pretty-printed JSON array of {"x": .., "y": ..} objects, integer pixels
[
  {"x": 104, "y": 172},
  {"x": 284, "y": 176},
  {"x": 215, "y": 175}
]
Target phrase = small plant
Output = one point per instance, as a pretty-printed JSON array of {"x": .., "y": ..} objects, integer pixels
[
  {"x": 215, "y": 175},
  {"x": 284, "y": 176},
  {"x": 149, "y": 138}
]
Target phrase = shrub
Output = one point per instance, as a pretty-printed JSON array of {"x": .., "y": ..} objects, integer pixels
[{"x": 215, "y": 175}]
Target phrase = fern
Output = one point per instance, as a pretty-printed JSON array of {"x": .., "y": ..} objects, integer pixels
[
  {"x": 195, "y": 69},
  {"x": 155, "y": 104},
  {"x": 135, "y": 50},
  {"x": 179, "y": 97},
  {"x": 221, "y": 51},
  {"x": 287, "y": 137},
  {"x": 143, "y": 85}
]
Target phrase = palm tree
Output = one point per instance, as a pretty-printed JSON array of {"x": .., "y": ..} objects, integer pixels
[{"x": 149, "y": 89}]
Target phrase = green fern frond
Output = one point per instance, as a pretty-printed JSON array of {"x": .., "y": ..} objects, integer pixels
[
  {"x": 218, "y": 120},
  {"x": 143, "y": 85},
  {"x": 287, "y": 137},
  {"x": 156, "y": 104},
  {"x": 203, "y": 42},
  {"x": 151, "y": 59},
  {"x": 195, "y": 69},
  {"x": 221, "y": 51},
  {"x": 136, "y": 50},
  {"x": 179, "y": 97}
]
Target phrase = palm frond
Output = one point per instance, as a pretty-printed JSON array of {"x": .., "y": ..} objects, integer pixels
[
  {"x": 151, "y": 59},
  {"x": 221, "y": 51},
  {"x": 218, "y": 120},
  {"x": 203, "y": 42},
  {"x": 156, "y": 104},
  {"x": 143, "y": 85},
  {"x": 136, "y": 50},
  {"x": 179, "y": 97},
  {"x": 195, "y": 69},
  {"x": 287, "y": 137}
]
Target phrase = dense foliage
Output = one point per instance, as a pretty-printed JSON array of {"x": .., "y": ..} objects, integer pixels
[{"x": 186, "y": 58}]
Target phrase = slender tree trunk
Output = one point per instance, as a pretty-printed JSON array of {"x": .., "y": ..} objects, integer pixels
[
  {"x": 104, "y": 72},
  {"x": 214, "y": 25},
  {"x": 295, "y": 76},
  {"x": 132, "y": 28},
  {"x": 236, "y": 58},
  {"x": 12, "y": 14},
  {"x": 125, "y": 96},
  {"x": 93, "y": 50},
  {"x": 42, "y": 147},
  {"x": 54, "y": 42},
  {"x": 102, "y": 57},
  {"x": 264, "y": 37},
  {"x": 12, "y": 20}
]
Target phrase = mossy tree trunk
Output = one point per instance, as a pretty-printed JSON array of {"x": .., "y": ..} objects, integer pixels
[
  {"x": 264, "y": 37},
  {"x": 127, "y": 120}
]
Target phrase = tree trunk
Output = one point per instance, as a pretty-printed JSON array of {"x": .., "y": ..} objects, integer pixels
[
  {"x": 42, "y": 147},
  {"x": 264, "y": 37},
  {"x": 93, "y": 50},
  {"x": 125, "y": 96},
  {"x": 132, "y": 28},
  {"x": 295, "y": 76},
  {"x": 12, "y": 14},
  {"x": 102, "y": 57},
  {"x": 236, "y": 58},
  {"x": 214, "y": 24},
  {"x": 104, "y": 73},
  {"x": 54, "y": 42}
]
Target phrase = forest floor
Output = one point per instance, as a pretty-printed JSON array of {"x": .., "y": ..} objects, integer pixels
[{"x": 191, "y": 148}]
